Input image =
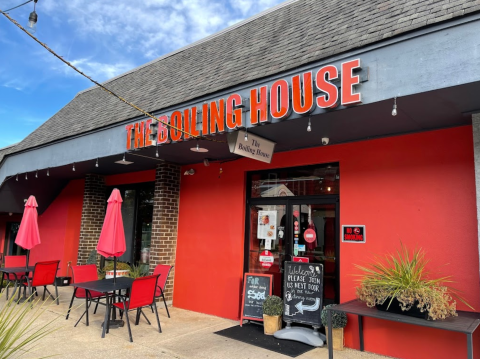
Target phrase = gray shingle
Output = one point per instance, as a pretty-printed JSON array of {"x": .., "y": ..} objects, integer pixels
[{"x": 293, "y": 35}]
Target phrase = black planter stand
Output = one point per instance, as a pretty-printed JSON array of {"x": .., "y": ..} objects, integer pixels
[{"x": 395, "y": 308}]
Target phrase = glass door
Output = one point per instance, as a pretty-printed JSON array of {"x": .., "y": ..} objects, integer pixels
[
  {"x": 314, "y": 239},
  {"x": 266, "y": 247}
]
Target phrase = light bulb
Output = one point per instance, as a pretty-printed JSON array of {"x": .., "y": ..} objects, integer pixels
[
  {"x": 73, "y": 168},
  {"x": 198, "y": 147},
  {"x": 156, "y": 152},
  {"x": 394, "y": 111},
  {"x": 309, "y": 127},
  {"x": 48, "y": 172},
  {"x": 96, "y": 163},
  {"x": 36, "y": 174},
  {"x": 17, "y": 177},
  {"x": 32, "y": 22},
  {"x": 246, "y": 136},
  {"x": 26, "y": 177},
  {"x": 123, "y": 157}
]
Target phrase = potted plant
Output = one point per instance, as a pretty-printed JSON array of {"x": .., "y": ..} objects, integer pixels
[
  {"x": 401, "y": 283},
  {"x": 137, "y": 271},
  {"x": 123, "y": 269},
  {"x": 339, "y": 321},
  {"x": 272, "y": 314}
]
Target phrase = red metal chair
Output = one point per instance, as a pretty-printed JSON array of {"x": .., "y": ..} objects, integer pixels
[
  {"x": 164, "y": 271},
  {"x": 14, "y": 261},
  {"x": 142, "y": 294},
  {"x": 44, "y": 274},
  {"x": 85, "y": 273}
]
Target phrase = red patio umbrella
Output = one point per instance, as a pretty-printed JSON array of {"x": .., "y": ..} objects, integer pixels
[
  {"x": 28, "y": 235},
  {"x": 112, "y": 238}
]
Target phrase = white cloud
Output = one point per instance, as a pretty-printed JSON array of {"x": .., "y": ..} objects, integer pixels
[
  {"x": 152, "y": 27},
  {"x": 100, "y": 71}
]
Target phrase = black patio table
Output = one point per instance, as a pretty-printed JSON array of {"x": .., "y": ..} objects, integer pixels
[
  {"x": 465, "y": 322},
  {"x": 15, "y": 271},
  {"x": 105, "y": 286}
]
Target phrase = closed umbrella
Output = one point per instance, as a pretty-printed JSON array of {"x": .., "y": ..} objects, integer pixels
[
  {"x": 28, "y": 235},
  {"x": 112, "y": 238}
]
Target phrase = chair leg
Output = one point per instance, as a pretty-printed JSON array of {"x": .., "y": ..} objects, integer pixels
[
  {"x": 165, "y": 302},
  {"x": 36, "y": 291},
  {"x": 128, "y": 325},
  {"x": 96, "y": 306},
  {"x": 141, "y": 311},
  {"x": 44, "y": 291},
  {"x": 71, "y": 303},
  {"x": 56, "y": 294},
  {"x": 151, "y": 307},
  {"x": 137, "y": 318},
  {"x": 158, "y": 319},
  {"x": 8, "y": 286},
  {"x": 86, "y": 306}
]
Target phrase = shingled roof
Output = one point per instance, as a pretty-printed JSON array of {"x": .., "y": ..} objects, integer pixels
[{"x": 292, "y": 35}]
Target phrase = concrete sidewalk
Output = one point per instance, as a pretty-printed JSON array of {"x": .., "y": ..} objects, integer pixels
[{"x": 185, "y": 335}]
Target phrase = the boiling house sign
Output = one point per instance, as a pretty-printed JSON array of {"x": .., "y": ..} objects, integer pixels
[{"x": 325, "y": 88}]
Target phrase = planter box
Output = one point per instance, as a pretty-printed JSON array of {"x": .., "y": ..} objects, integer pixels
[
  {"x": 395, "y": 308},
  {"x": 271, "y": 324},
  {"x": 63, "y": 281},
  {"x": 338, "y": 339},
  {"x": 120, "y": 273}
]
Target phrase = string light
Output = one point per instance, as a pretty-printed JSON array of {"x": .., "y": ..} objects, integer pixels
[
  {"x": 73, "y": 168},
  {"x": 394, "y": 111},
  {"x": 156, "y": 151},
  {"x": 17, "y": 177},
  {"x": 309, "y": 127},
  {"x": 26, "y": 177},
  {"x": 96, "y": 163},
  {"x": 246, "y": 134},
  {"x": 48, "y": 172},
  {"x": 36, "y": 174}
]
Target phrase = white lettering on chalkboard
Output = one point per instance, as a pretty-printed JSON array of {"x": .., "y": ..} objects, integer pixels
[{"x": 256, "y": 295}]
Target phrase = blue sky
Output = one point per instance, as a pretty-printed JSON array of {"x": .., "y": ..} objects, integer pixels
[{"x": 103, "y": 38}]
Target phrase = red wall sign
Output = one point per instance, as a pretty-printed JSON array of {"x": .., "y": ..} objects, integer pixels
[
  {"x": 301, "y": 95},
  {"x": 309, "y": 235},
  {"x": 301, "y": 259},
  {"x": 353, "y": 233},
  {"x": 266, "y": 259}
]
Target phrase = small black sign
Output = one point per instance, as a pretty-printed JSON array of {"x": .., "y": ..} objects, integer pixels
[
  {"x": 353, "y": 233},
  {"x": 303, "y": 293},
  {"x": 256, "y": 288}
]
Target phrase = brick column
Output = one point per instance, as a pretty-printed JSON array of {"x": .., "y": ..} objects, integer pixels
[
  {"x": 165, "y": 220},
  {"x": 93, "y": 214}
]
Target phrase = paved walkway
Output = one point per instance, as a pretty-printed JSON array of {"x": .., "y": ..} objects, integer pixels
[{"x": 185, "y": 335}]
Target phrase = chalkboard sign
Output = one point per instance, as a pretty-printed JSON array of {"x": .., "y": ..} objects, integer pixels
[
  {"x": 303, "y": 293},
  {"x": 256, "y": 288}
]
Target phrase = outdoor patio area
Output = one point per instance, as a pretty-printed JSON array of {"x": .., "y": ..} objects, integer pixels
[{"x": 185, "y": 335}]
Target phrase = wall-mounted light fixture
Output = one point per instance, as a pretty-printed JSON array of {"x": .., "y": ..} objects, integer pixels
[{"x": 189, "y": 172}]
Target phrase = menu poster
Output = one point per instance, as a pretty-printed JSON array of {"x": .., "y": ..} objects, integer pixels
[{"x": 267, "y": 225}]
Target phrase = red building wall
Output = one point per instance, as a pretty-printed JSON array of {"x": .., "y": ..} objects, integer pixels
[
  {"x": 418, "y": 189},
  {"x": 59, "y": 228}
]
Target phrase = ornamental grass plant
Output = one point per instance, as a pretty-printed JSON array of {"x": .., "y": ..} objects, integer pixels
[
  {"x": 403, "y": 276},
  {"x": 21, "y": 329}
]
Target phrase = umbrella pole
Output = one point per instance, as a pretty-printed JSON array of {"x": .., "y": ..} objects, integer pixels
[
  {"x": 114, "y": 269},
  {"x": 28, "y": 255}
]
